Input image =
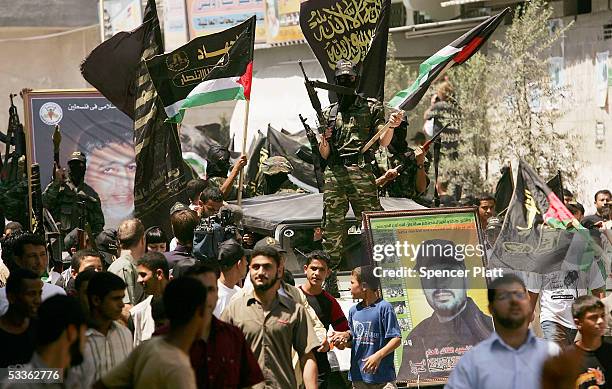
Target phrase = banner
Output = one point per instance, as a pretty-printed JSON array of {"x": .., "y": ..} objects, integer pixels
[
  {"x": 282, "y": 21},
  {"x": 205, "y": 17},
  {"x": 349, "y": 29},
  {"x": 440, "y": 317},
  {"x": 175, "y": 25},
  {"x": 91, "y": 124}
]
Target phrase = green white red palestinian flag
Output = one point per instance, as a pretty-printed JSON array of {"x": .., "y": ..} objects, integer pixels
[
  {"x": 208, "y": 69},
  {"x": 456, "y": 53},
  {"x": 540, "y": 234}
]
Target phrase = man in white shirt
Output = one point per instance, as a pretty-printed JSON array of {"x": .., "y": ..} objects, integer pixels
[
  {"x": 233, "y": 263},
  {"x": 30, "y": 252},
  {"x": 163, "y": 361},
  {"x": 153, "y": 275},
  {"x": 559, "y": 290}
]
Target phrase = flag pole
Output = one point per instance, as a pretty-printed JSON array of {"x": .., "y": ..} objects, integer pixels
[{"x": 244, "y": 141}]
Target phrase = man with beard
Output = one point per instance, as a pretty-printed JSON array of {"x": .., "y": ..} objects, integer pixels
[
  {"x": 512, "y": 357},
  {"x": 351, "y": 123},
  {"x": 63, "y": 195},
  {"x": 59, "y": 345},
  {"x": 456, "y": 324},
  {"x": 274, "y": 324}
]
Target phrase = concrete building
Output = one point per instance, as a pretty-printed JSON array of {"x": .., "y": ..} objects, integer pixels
[{"x": 43, "y": 44}]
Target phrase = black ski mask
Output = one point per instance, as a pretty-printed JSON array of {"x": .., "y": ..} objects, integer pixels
[
  {"x": 345, "y": 101},
  {"x": 77, "y": 172}
]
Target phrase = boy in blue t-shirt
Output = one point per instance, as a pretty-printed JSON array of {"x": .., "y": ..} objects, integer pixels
[{"x": 373, "y": 337}]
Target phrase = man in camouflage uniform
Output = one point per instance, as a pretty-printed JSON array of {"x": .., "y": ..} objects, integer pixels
[
  {"x": 217, "y": 166},
  {"x": 349, "y": 178},
  {"x": 412, "y": 181},
  {"x": 273, "y": 177},
  {"x": 62, "y": 197}
]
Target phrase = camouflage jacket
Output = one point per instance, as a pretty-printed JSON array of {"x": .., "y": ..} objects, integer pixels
[
  {"x": 14, "y": 201},
  {"x": 61, "y": 199},
  {"x": 354, "y": 127},
  {"x": 404, "y": 185},
  {"x": 286, "y": 187},
  {"x": 216, "y": 182}
]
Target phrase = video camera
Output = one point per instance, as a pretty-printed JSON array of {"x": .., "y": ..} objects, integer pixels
[{"x": 211, "y": 232}]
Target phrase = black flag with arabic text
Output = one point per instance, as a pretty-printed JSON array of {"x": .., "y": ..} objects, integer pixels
[
  {"x": 116, "y": 68},
  {"x": 352, "y": 30}
]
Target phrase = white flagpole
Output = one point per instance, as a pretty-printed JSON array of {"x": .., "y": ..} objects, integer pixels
[{"x": 244, "y": 142}]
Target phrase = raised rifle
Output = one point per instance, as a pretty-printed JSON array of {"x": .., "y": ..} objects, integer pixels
[
  {"x": 409, "y": 157},
  {"x": 57, "y": 140},
  {"x": 317, "y": 160},
  {"x": 14, "y": 134},
  {"x": 37, "y": 222},
  {"x": 314, "y": 100}
]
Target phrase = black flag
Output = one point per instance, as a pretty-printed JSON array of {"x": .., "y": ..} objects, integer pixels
[
  {"x": 352, "y": 30},
  {"x": 116, "y": 68},
  {"x": 556, "y": 185},
  {"x": 503, "y": 190},
  {"x": 536, "y": 235}
]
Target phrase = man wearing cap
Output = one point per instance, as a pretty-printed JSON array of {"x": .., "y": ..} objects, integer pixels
[
  {"x": 70, "y": 198},
  {"x": 233, "y": 264},
  {"x": 351, "y": 123},
  {"x": 456, "y": 324},
  {"x": 273, "y": 177}
]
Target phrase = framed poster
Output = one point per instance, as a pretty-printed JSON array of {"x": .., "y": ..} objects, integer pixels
[
  {"x": 432, "y": 269},
  {"x": 91, "y": 124}
]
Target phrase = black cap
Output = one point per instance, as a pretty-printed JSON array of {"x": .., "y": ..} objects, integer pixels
[
  {"x": 230, "y": 252},
  {"x": 419, "y": 136},
  {"x": 269, "y": 242},
  {"x": 107, "y": 244},
  {"x": 344, "y": 67},
  {"x": 77, "y": 156},
  {"x": 438, "y": 252},
  {"x": 178, "y": 207}
]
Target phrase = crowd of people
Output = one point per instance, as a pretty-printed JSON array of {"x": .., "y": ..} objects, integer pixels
[
  {"x": 132, "y": 308},
  {"x": 142, "y": 311}
]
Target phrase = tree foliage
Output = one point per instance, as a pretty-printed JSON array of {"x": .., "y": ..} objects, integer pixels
[{"x": 509, "y": 105}]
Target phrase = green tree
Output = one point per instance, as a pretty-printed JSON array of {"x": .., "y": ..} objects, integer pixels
[
  {"x": 524, "y": 113},
  {"x": 471, "y": 95},
  {"x": 509, "y": 105}
]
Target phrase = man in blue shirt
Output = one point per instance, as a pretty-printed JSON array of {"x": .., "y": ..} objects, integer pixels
[{"x": 512, "y": 357}]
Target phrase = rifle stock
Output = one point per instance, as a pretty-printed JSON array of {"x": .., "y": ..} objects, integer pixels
[{"x": 317, "y": 160}]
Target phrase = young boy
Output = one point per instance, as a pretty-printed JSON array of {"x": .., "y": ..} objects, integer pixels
[
  {"x": 590, "y": 318},
  {"x": 326, "y": 307},
  {"x": 374, "y": 334}
]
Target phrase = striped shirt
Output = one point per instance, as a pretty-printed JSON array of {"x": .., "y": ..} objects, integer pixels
[{"x": 102, "y": 353}]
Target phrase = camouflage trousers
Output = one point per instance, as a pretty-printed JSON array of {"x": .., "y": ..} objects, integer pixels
[{"x": 344, "y": 185}]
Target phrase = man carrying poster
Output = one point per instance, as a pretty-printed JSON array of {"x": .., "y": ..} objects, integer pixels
[{"x": 435, "y": 345}]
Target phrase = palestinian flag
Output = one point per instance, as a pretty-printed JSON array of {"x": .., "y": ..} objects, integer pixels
[
  {"x": 540, "y": 234},
  {"x": 456, "y": 53},
  {"x": 209, "y": 69}
]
